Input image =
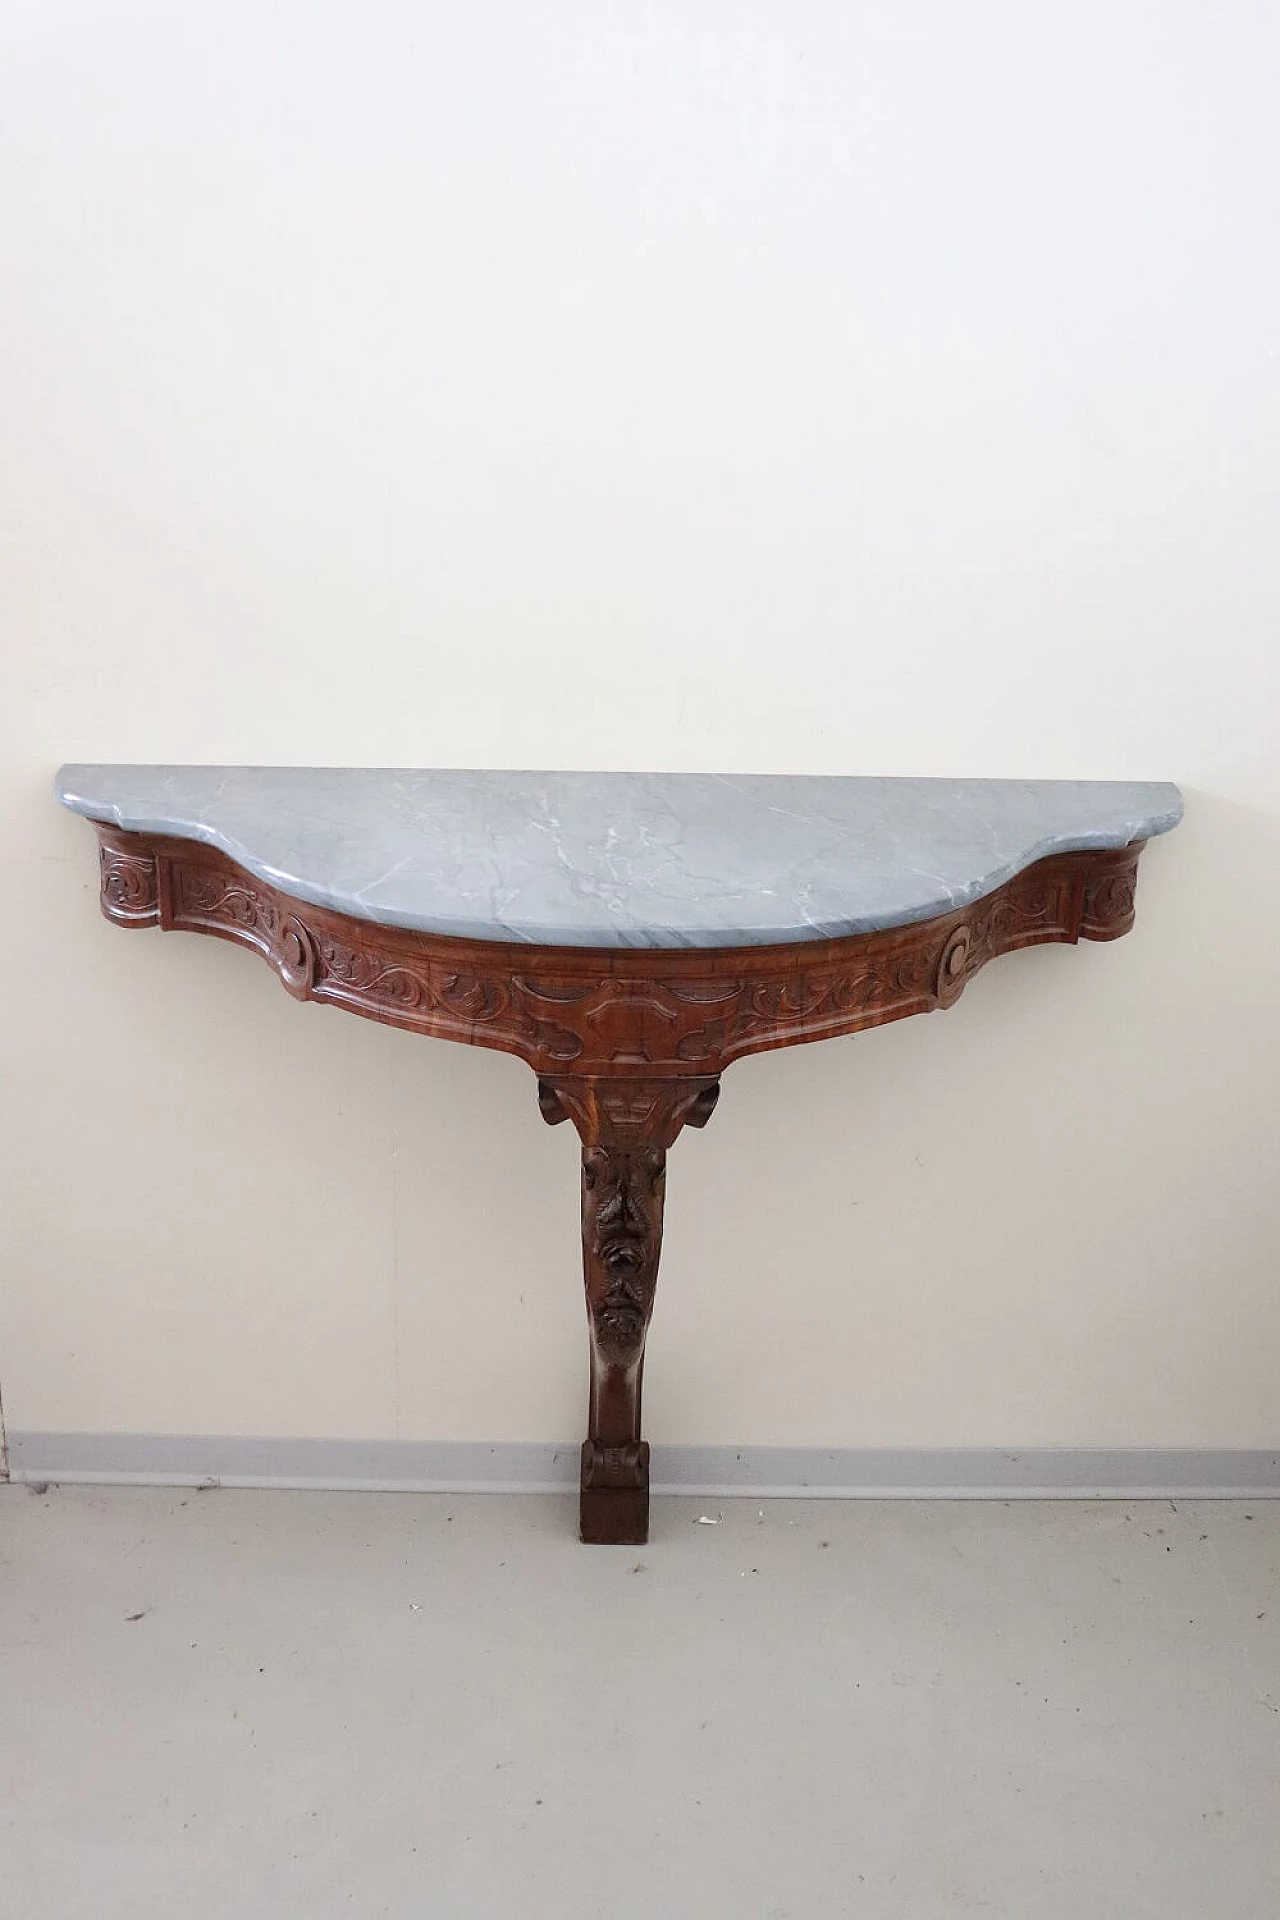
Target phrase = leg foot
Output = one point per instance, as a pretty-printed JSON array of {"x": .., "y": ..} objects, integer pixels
[{"x": 614, "y": 1502}]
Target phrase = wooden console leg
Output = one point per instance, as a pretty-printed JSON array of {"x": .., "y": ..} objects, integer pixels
[
  {"x": 622, "y": 1193},
  {"x": 626, "y": 1127}
]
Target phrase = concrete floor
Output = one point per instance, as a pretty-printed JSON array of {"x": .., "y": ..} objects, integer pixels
[{"x": 265, "y": 1706}]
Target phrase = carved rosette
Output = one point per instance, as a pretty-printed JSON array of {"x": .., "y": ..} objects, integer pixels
[
  {"x": 296, "y": 957},
  {"x": 953, "y": 966}
]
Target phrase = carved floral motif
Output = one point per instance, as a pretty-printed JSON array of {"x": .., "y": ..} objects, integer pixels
[
  {"x": 208, "y": 899},
  {"x": 622, "y": 1193}
]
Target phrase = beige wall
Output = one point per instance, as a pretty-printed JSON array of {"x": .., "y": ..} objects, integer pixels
[{"x": 819, "y": 388}]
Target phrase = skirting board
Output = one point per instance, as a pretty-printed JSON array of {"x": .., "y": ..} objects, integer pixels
[{"x": 461, "y": 1466}]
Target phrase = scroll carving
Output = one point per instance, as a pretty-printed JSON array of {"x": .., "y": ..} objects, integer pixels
[
  {"x": 628, "y": 1110},
  {"x": 130, "y": 886},
  {"x": 209, "y": 902},
  {"x": 1108, "y": 899},
  {"x": 613, "y": 1017}
]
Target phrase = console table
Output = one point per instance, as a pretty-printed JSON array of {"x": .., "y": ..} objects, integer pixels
[{"x": 628, "y": 935}]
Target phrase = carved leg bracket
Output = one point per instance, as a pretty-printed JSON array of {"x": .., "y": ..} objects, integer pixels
[{"x": 626, "y": 1127}]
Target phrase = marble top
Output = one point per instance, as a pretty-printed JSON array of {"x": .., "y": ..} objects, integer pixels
[{"x": 623, "y": 859}]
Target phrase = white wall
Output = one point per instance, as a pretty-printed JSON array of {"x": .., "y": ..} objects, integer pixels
[{"x": 814, "y": 387}]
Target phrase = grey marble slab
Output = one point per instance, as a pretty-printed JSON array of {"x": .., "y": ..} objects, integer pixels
[{"x": 623, "y": 859}]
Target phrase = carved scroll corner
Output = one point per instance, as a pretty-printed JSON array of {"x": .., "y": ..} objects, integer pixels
[
  {"x": 130, "y": 886},
  {"x": 1108, "y": 910}
]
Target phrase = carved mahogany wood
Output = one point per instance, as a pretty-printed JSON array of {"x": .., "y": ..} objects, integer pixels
[{"x": 628, "y": 1043}]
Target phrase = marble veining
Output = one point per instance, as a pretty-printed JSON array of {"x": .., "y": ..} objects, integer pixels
[{"x": 623, "y": 859}]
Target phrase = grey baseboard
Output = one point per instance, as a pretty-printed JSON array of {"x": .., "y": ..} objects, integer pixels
[{"x": 837, "y": 1473}]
